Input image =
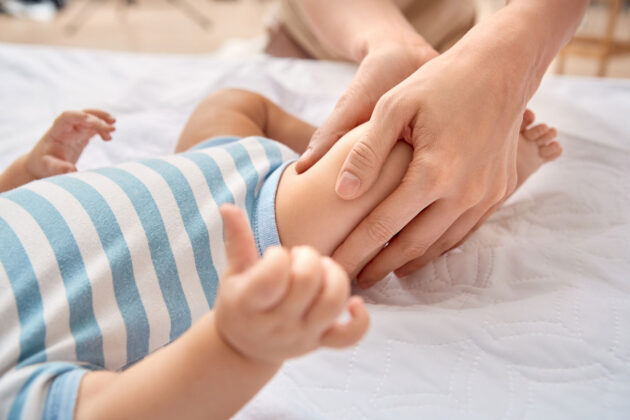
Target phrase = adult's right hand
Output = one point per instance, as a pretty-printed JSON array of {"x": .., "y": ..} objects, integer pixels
[{"x": 384, "y": 67}]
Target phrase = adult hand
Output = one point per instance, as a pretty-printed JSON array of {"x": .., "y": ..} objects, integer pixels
[
  {"x": 463, "y": 123},
  {"x": 382, "y": 68}
]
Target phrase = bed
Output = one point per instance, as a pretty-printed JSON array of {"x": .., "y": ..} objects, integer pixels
[{"x": 528, "y": 319}]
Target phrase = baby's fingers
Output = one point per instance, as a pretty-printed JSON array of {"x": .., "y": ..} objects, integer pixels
[
  {"x": 332, "y": 298},
  {"x": 265, "y": 284},
  {"x": 106, "y": 116},
  {"x": 101, "y": 127},
  {"x": 307, "y": 277},
  {"x": 346, "y": 334}
]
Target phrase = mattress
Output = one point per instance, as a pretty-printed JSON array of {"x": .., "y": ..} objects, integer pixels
[{"x": 527, "y": 319}]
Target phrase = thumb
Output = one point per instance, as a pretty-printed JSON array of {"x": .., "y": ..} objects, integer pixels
[
  {"x": 363, "y": 165},
  {"x": 351, "y": 110},
  {"x": 240, "y": 246},
  {"x": 54, "y": 166}
]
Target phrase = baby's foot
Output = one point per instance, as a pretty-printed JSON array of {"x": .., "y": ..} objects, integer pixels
[
  {"x": 58, "y": 151},
  {"x": 536, "y": 146}
]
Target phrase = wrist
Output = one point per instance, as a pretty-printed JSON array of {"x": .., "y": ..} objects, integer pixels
[
  {"x": 26, "y": 163},
  {"x": 407, "y": 38}
]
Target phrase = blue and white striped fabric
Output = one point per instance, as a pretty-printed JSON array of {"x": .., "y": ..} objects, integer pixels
[{"x": 100, "y": 268}]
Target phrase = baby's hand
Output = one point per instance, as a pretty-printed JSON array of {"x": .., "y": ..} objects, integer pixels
[
  {"x": 285, "y": 304},
  {"x": 59, "y": 149}
]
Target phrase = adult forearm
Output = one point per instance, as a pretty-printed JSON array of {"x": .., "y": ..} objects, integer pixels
[
  {"x": 517, "y": 44},
  {"x": 199, "y": 376},
  {"x": 352, "y": 28}
]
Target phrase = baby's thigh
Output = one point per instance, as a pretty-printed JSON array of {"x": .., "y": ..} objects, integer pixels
[{"x": 220, "y": 114}]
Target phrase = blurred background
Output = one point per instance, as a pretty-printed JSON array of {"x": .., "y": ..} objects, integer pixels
[{"x": 601, "y": 47}]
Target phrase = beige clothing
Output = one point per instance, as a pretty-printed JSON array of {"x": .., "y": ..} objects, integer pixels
[{"x": 440, "y": 22}]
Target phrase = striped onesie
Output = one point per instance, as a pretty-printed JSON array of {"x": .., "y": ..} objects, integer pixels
[{"x": 100, "y": 268}]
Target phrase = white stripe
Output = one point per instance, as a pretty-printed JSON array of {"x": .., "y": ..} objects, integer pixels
[
  {"x": 98, "y": 270},
  {"x": 230, "y": 174},
  {"x": 207, "y": 208},
  {"x": 59, "y": 341},
  {"x": 9, "y": 326},
  {"x": 176, "y": 232},
  {"x": 10, "y": 384},
  {"x": 143, "y": 270},
  {"x": 259, "y": 158},
  {"x": 36, "y": 400}
]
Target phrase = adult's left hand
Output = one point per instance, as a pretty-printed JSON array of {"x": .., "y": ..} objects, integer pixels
[{"x": 462, "y": 121}]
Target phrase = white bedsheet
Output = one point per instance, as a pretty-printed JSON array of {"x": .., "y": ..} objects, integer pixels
[{"x": 528, "y": 319}]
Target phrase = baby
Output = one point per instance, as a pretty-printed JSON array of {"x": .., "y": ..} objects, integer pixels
[{"x": 110, "y": 301}]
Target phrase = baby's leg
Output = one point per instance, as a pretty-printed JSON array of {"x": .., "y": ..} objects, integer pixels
[
  {"x": 308, "y": 211},
  {"x": 237, "y": 112}
]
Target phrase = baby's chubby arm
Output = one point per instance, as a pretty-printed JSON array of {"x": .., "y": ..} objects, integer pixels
[{"x": 267, "y": 310}]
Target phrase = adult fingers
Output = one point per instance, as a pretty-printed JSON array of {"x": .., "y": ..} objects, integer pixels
[
  {"x": 346, "y": 334},
  {"x": 240, "y": 246},
  {"x": 332, "y": 299},
  {"x": 413, "y": 195},
  {"x": 352, "y": 109},
  {"x": 412, "y": 242},
  {"x": 452, "y": 237},
  {"x": 362, "y": 167},
  {"x": 306, "y": 282}
]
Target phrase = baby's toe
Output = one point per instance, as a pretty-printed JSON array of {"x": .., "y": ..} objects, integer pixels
[
  {"x": 537, "y": 131},
  {"x": 550, "y": 151},
  {"x": 546, "y": 137},
  {"x": 528, "y": 119}
]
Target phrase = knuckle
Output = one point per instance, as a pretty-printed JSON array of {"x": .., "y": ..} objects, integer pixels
[
  {"x": 388, "y": 104},
  {"x": 363, "y": 157},
  {"x": 380, "y": 230},
  {"x": 411, "y": 250}
]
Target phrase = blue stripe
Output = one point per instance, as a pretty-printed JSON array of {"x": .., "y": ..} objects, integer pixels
[
  {"x": 211, "y": 171},
  {"x": 120, "y": 262},
  {"x": 193, "y": 223},
  {"x": 272, "y": 150},
  {"x": 83, "y": 325},
  {"x": 28, "y": 297},
  {"x": 51, "y": 370},
  {"x": 159, "y": 246},
  {"x": 248, "y": 172}
]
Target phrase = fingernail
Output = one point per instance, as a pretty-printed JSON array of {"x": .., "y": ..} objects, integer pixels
[{"x": 348, "y": 185}]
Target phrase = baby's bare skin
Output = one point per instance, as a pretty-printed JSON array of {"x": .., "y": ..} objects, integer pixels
[
  {"x": 59, "y": 149},
  {"x": 309, "y": 212}
]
